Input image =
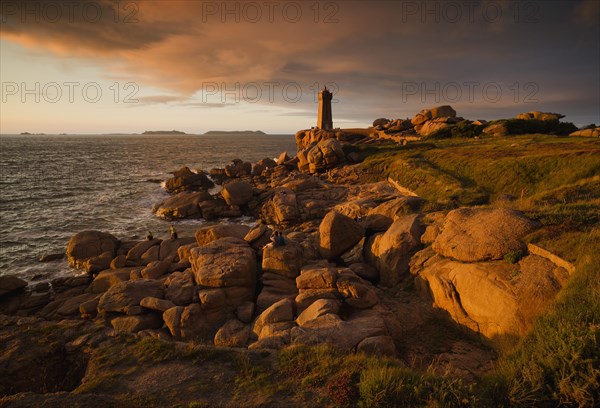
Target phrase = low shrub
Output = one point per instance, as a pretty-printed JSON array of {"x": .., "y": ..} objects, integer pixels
[
  {"x": 464, "y": 129},
  {"x": 513, "y": 257},
  {"x": 530, "y": 126},
  {"x": 342, "y": 390},
  {"x": 403, "y": 387}
]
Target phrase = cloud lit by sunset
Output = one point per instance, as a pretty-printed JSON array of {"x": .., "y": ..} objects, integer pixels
[{"x": 199, "y": 65}]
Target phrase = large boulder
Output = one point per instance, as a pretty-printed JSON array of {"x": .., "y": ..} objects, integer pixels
[
  {"x": 481, "y": 234},
  {"x": 134, "y": 324},
  {"x": 110, "y": 277},
  {"x": 378, "y": 346},
  {"x": 389, "y": 211},
  {"x": 431, "y": 120},
  {"x": 258, "y": 236},
  {"x": 215, "y": 208},
  {"x": 354, "y": 254},
  {"x": 537, "y": 115},
  {"x": 317, "y": 309},
  {"x": 207, "y": 235},
  {"x": 151, "y": 255},
  {"x": 183, "y": 252},
  {"x": 98, "y": 263},
  {"x": 444, "y": 111},
  {"x": 181, "y": 288},
  {"x": 134, "y": 255},
  {"x": 590, "y": 132},
  {"x": 344, "y": 335},
  {"x": 182, "y": 205},
  {"x": 188, "y": 323},
  {"x": 317, "y": 278},
  {"x": 280, "y": 267},
  {"x": 233, "y": 334},
  {"x": 285, "y": 206},
  {"x": 11, "y": 284},
  {"x": 186, "y": 180},
  {"x": 380, "y": 122},
  {"x": 316, "y": 281},
  {"x": 496, "y": 129},
  {"x": 365, "y": 271},
  {"x": 262, "y": 165},
  {"x": 285, "y": 260},
  {"x": 357, "y": 292},
  {"x": 225, "y": 270},
  {"x": 437, "y": 112},
  {"x": 390, "y": 252},
  {"x": 237, "y": 193},
  {"x": 324, "y": 155},
  {"x": 492, "y": 298},
  {"x": 279, "y": 312},
  {"x": 224, "y": 262},
  {"x": 309, "y": 137},
  {"x": 337, "y": 234},
  {"x": 124, "y": 295},
  {"x": 221, "y": 303},
  {"x": 432, "y": 126},
  {"x": 153, "y": 303},
  {"x": 283, "y": 158},
  {"x": 155, "y": 269},
  {"x": 307, "y": 297},
  {"x": 168, "y": 250},
  {"x": 88, "y": 244},
  {"x": 356, "y": 208},
  {"x": 238, "y": 168}
]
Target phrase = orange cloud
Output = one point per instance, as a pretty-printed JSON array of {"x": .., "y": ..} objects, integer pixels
[{"x": 369, "y": 48}]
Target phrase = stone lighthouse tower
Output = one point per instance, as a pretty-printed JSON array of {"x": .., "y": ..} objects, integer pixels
[{"x": 325, "y": 120}]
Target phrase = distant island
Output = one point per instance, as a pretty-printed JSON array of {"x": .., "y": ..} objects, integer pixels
[
  {"x": 229, "y": 132},
  {"x": 32, "y": 134},
  {"x": 163, "y": 132}
]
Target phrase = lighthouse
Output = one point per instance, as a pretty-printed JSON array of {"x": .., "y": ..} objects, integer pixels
[{"x": 325, "y": 120}]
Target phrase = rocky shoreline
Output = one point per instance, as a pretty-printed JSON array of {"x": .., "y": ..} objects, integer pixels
[{"x": 365, "y": 264}]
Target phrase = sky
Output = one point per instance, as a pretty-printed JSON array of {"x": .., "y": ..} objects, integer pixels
[{"x": 104, "y": 66}]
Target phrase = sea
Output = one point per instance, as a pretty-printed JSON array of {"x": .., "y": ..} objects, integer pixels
[{"x": 52, "y": 187}]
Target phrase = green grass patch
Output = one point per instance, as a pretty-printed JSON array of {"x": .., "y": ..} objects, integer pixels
[
  {"x": 256, "y": 377},
  {"x": 369, "y": 381},
  {"x": 558, "y": 362},
  {"x": 398, "y": 386},
  {"x": 467, "y": 171}
]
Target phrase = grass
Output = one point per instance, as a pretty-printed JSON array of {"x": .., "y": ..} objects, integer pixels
[
  {"x": 127, "y": 355},
  {"x": 153, "y": 350},
  {"x": 471, "y": 171},
  {"x": 558, "y": 362},
  {"x": 256, "y": 376},
  {"x": 399, "y": 386},
  {"x": 369, "y": 381}
]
